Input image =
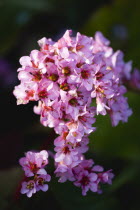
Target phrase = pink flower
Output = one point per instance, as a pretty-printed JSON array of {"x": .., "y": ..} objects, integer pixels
[
  {"x": 122, "y": 69},
  {"x": 65, "y": 152},
  {"x": 101, "y": 44},
  {"x": 41, "y": 182},
  {"x": 34, "y": 163},
  {"x": 84, "y": 45},
  {"x": 32, "y": 186},
  {"x": 119, "y": 110},
  {"x": 87, "y": 181},
  {"x": 89, "y": 177},
  {"x": 105, "y": 177},
  {"x": 28, "y": 188},
  {"x": 64, "y": 173}
]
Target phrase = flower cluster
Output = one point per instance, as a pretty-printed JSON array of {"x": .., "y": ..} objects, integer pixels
[
  {"x": 89, "y": 177},
  {"x": 36, "y": 176},
  {"x": 65, "y": 77}
]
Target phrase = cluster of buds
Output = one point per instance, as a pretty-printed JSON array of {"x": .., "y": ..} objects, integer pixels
[{"x": 65, "y": 77}]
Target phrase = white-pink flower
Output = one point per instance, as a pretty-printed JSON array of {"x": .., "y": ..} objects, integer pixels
[
  {"x": 28, "y": 188},
  {"x": 34, "y": 163}
]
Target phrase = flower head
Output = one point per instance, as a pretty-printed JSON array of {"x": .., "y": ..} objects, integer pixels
[
  {"x": 34, "y": 163},
  {"x": 65, "y": 77}
]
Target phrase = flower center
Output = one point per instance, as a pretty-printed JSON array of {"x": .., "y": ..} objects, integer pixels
[
  {"x": 53, "y": 77},
  {"x": 42, "y": 94},
  {"x": 79, "y": 47},
  {"x": 48, "y": 108},
  {"x": 85, "y": 180},
  {"x": 37, "y": 76},
  {"x": 66, "y": 150},
  {"x": 65, "y": 133},
  {"x": 85, "y": 74},
  {"x": 49, "y": 60},
  {"x": 99, "y": 75},
  {"x": 30, "y": 186},
  {"x": 78, "y": 65},
  {"x": 40, "y": 181},
  {"x": 33, "y": 167},
  {"x": 34, "y": 65},
  {"x": 30, "y": 93},
  {"x": 73, "y": 102},
  {"x": 66, "y": 71},
  {"x": 64, "y": 86}
]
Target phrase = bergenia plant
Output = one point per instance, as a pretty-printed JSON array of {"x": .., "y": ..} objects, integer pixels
[{"x": 65, "y": 77}]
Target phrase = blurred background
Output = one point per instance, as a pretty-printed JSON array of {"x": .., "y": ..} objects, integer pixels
[{"x": 22, "y": 23}]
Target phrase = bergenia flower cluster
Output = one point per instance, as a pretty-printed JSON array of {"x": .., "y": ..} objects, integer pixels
[
  {"x": 35, "y": 175},
  {"x": 65, "y": 77}
]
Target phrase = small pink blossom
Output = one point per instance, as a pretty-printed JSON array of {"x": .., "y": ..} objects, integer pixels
[
  {"x": 87, "y": 181},
  {"x": 41, "y": 182},
  {"x": 34, "y": 163},
  {"x": 28, "y": 188}
]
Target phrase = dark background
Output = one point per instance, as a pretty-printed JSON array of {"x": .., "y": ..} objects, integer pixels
[{"x": 22, "y": 23}]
